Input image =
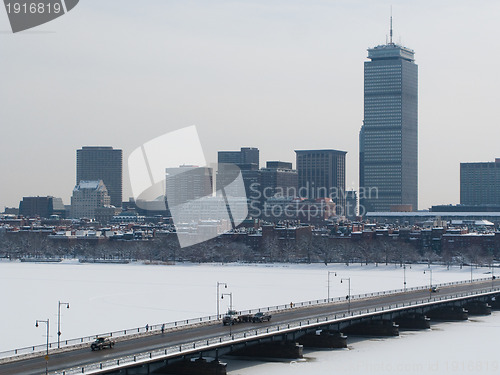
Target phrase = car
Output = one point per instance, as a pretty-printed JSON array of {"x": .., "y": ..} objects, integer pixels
[
  {"x": 101, "y": 343},
  {"x": 434, "y": 289},
  {"x": 261, "y": 317}
]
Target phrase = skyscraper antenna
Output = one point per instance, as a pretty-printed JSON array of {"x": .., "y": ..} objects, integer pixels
[{"x": 391, "y": 28}]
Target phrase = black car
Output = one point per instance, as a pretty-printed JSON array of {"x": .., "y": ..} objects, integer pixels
[
  {"x": 261, "y": 317},
  {"x": 101, "y": 343}
]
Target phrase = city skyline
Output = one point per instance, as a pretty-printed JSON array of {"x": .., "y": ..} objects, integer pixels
[{"x": 278, "y": 76}]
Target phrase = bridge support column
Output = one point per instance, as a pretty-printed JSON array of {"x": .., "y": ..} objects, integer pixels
[
  {"x": 324, "y": 339},
  {"x": 478, "y": 308},
  {"x": 495, "y": 302},
  {"x": 413, "y": 321},
  {"x": 274, "y": 349},
  {"x": 375, "y": 327},
  {"x": 200, "y": 366},
  {"x": 448, "y": 313}
]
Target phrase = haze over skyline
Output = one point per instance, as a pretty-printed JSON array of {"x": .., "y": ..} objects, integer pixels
[{"x": 278, "y": 75}]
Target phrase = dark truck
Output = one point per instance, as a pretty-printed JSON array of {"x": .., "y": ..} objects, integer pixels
[
  {"x": 101, "y": 343},
  {"x": 233, "y": 317}
]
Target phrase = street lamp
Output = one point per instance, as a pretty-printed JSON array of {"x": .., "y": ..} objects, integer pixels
[
  {"x": 59, "y": 321},
  {"x": 225, "y": 286},
  {"x": 492, "y": 275},
  {"x": 430, "y": 282},
  {"x": 471, "y": 272},
  {"x": 230, "y": 299},
  {"x": 329, "y": 272},
  {"x": 230, "y": 308},
  {"x": 404, "y": 277},
  {"x": 348, "y": 279},
  {"x": 46, "y": 354}
]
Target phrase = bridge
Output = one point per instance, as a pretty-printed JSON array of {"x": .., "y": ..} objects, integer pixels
[{"x": 156, "y": 349}]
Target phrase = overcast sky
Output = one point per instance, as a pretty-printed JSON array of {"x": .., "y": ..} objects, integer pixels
[{"x": 274, "y": 74}]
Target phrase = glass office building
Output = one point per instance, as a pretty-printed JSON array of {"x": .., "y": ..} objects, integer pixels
[{"x": 388, "y": 141}]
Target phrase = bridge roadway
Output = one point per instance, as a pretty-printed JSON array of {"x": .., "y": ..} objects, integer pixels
[{"x": 147, "y": 342}]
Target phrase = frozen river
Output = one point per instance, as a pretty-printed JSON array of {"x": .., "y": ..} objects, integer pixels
[{"x": 105, "y": 297}]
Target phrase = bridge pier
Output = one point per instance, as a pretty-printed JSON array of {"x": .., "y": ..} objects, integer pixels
[
  {"x": 413, "y": 321},
  {"x": 478, "y": 308},
  {"x": 495, "y": 302},
  {"x": 324, "y": 339},
  {"x": 448, "y": 313},
  {"x": 273, "y": 349},
  {"x": 373, "y": 327},
  {"x": 199, "y": 366}
]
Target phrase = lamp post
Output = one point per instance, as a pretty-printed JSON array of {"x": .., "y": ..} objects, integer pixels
[
  {"x": 430, "y": 282},
  {"x": 47, "y": 353},
  {"x": 404, "y": 277},
  {"x": 471, "y": 272},
  {"x": 329, "y": 272},
  {"x": 492, "y": 276},
  {"x": 348, "y": 279},
  {"x": 230, "y": 299},
  {"x": 59, "y": 321},
  {"x": 230, "y": 308},
  {"x": 225, "y": 286}
]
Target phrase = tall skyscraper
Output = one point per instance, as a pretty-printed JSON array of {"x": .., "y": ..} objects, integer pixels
[
  {"x": 101, "y": 163},
  {"x": 322, "y": 174},
  {"x": 388, "y": 141},
  {"x": 480, "y": 183}
]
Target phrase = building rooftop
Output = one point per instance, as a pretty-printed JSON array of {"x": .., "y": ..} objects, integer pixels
[
  {"x": 391, "y": 51},
  {"x": 323, "y": 150},
  {"x": 97, "y": 148}
]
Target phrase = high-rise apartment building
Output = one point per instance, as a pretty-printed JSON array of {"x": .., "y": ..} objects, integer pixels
[
  {"x": 101, "y": 163},
  {"x": 322, "y": 174},
  {"x": 388, "y": 141},
  {"x": 480, "y": 183}
]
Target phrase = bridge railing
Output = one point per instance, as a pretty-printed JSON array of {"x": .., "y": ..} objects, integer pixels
[
  {"x": 156, "y": 328},
  {"x": 190, "y": 347}
]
